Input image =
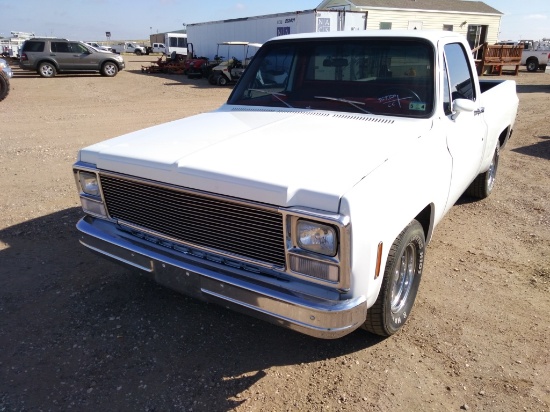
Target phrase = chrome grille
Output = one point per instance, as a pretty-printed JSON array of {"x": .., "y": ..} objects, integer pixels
[{"x": 195, "y": 219}]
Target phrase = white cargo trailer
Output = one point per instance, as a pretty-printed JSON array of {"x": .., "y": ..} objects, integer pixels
[{"x": 258, "y": 29}]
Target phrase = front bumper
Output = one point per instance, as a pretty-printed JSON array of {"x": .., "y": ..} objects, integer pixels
[{"x": 314, "y": 316}]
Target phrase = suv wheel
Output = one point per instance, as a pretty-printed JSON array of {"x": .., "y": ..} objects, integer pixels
[
  {"x": 109, "y": 69},
  {"x": 47, "y": 69}
]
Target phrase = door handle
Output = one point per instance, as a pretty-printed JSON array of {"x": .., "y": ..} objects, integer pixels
[{"x": 479, "y": 111}]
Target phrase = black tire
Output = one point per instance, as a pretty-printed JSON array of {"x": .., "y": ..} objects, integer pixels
[
  {"x": 212, "y": 79},
  {"x": 400, "y": 283},
  {"x": 47, "y": 69},
  {"x": 4, "y": 85},
  {"x": 222, "y": 80},
  {"x": 532, "y": 65},
  {"x": 109, "y": 69},
  {"x": 137, "y": 52},
  {"x": 484, "y": 183}
]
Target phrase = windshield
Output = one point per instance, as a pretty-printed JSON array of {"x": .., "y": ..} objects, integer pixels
[{"x": 369, "y": 75}]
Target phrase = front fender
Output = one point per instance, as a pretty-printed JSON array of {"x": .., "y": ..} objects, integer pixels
[{"x": 414, "y": 182}]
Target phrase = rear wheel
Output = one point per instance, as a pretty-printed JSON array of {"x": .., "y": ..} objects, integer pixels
[
  {"x": 212, "y": 79},
  {"x": 47, "y": 69},
  {"x": 532, "y": 65},
  {"x": 484, "y": 183},
  {"x": 109, "y": 69},
  {"x": 4, "y": 85},
  {"x": 400, "y": 283}
]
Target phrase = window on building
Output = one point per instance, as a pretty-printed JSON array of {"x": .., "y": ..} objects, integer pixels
[
  {"x": 385, "y": 26},
  {"x": 448, "y": 27}
]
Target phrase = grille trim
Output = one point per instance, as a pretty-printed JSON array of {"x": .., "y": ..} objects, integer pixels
[{"x": 247, "y": 231}]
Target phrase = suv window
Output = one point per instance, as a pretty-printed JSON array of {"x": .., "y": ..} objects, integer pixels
[
  {"x": 60, "y": 47},
  {"x": 78, "y": 48},
  {"x": 33, "y": 46}
]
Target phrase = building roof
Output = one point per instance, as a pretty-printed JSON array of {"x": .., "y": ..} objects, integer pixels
[{"x": 426, "y": 5}]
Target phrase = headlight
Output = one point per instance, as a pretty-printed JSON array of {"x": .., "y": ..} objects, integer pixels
[
  {"x": 316, "y": 237},
  {"x": 88, "y": 183}
]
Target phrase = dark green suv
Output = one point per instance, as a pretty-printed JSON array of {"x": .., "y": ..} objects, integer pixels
[{"x": 49, "y": 56}]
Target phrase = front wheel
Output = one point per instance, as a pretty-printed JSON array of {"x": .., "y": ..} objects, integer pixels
[
  {"x": 483, "y": 184},
  {"x": 109, "y": 69},
  {"x": 222, "y": 80},
  {"x": 47, "y": 69},
  {"x": 400, "y": 283},
  {"x": 138, "y": 52}
]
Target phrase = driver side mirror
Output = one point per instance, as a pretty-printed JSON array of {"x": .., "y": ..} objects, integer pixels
[{"x": 462, "y": 105}]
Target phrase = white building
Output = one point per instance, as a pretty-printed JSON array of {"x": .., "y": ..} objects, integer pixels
[{"x": 476, "y": 20}]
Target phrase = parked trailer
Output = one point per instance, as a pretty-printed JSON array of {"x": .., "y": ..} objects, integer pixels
[
  {"x": 206, "y": 36},
  {"x": 9, "y": 47}
]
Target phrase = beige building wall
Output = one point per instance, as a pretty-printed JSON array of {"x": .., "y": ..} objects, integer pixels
[
  {"x": 434, "y": 21},
  {"x": 428, "y": 20}
]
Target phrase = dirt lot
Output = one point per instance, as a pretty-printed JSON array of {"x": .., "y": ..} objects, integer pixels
[{"x": 80, "y": 333}]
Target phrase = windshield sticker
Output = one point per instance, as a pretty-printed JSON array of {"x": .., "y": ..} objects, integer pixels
[{"x": 417, "y": 106}]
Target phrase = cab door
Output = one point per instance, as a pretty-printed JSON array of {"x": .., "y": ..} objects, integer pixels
[{"x": 466, "y": 130}]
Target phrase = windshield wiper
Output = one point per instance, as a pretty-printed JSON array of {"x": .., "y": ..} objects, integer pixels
[
  {"x": 274, "y": 94},
  {"x": 351, "y": 102}
]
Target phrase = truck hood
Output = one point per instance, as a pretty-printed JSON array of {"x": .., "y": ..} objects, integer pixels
[{"x": 283, "y": 158}]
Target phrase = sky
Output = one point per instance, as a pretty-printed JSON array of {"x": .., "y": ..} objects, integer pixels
[{"x": 88, "y": 20}]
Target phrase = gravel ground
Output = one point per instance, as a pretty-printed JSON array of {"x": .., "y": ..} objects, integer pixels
[{"x": 80, "y": 333}]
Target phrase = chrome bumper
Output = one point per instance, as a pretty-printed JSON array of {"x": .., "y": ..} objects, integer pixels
[{"x": 321, "y": 318}]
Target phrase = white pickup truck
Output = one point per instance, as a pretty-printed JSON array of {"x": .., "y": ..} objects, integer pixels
[
  {"x": 535, "y": 55},
  {"x": 306, "y": 200},
  {"x": 128, "y": 47}
]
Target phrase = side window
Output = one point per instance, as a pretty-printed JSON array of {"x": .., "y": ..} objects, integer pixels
[
  {"x": 78, "y": 48},
  {"x": 33, "y": 46},
  {"x": 60, "y": 47},
  {"x": 461, "y": 82}
]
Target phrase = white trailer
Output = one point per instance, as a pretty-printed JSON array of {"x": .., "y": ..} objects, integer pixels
[
  {"x": 9, "y": 47},
  {"x": 206, "y": 36}
]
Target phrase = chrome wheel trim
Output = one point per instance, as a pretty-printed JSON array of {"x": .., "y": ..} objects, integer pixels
[
  {"x": 403, "y": 278},
  {"x": 46, "y": 70},
  {"x": 492, "y": 173},
  {"x": 110, "y": 69}
]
